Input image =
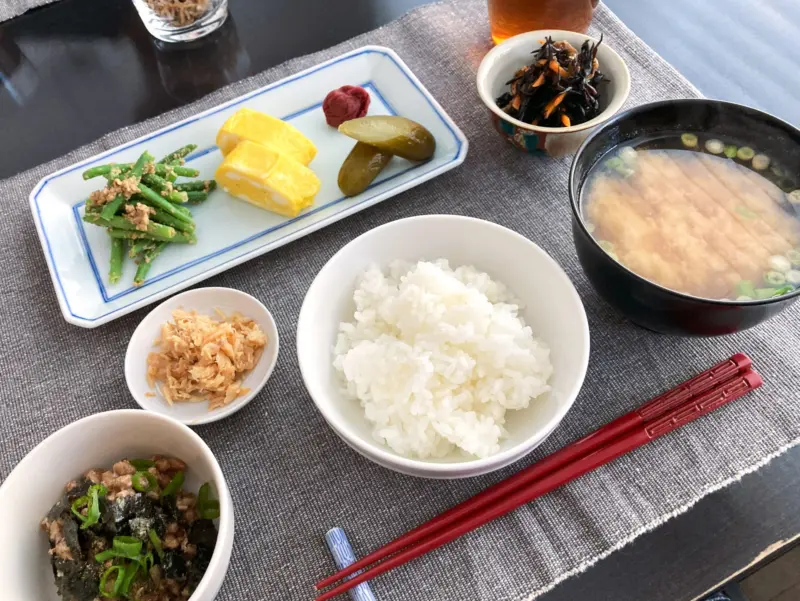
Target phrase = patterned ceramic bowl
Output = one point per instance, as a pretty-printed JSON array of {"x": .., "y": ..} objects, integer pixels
[{"x": 502, "y": 61}]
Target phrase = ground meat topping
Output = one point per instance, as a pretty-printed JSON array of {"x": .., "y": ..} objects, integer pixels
[
  {"x": 187, "y": 546},
  {"x": 139, "y": 215},
  {"x": 56, "y": 534},
  {"x": 95, "y": 476},
  {"x": 123, "y": 468},
  {"x": 169, "y": 464}
]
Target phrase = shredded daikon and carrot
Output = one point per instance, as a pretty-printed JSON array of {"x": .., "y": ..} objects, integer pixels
[{"x": 201, "y": 358}]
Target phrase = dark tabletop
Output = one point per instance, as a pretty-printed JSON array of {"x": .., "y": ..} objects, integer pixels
[{"x": 75, "y": 70}]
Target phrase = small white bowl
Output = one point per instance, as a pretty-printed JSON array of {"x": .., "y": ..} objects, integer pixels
[
  {"x": 204, "y": 301},
  {"x": 97, "y": 441},
  {"x": 502, "y": 61},
  {"x": 553, "y": 309}
]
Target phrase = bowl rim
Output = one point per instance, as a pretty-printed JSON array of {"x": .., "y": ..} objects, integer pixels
[
  {"x": 220, "y": 558},
  {"x": 615, "y": 104},
  {"x": 575, "y": 198},
  {"x": 235, "y": 405},
  {"x": 476, "y": 466}
]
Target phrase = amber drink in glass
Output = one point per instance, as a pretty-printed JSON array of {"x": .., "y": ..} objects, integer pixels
[{"x": 508, "y": 18}]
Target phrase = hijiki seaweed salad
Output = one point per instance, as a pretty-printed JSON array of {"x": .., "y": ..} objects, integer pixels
[
  {"x": 131, "y": 532},
  {"x": 559, "y": 88}
]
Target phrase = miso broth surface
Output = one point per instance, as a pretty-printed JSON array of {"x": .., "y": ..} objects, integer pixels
[{"x": 697, "y": 222}]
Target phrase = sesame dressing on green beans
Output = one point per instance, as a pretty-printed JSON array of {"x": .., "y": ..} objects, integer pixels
[
  {"x": 165, "y": 188},
  {"x": 143, "y": 237},
  {"x": 178, "y": 155},
  {"x": 196, "y": 197},
  {"x": 178, "y": 237},
  {"x": 206, "y": 185}
]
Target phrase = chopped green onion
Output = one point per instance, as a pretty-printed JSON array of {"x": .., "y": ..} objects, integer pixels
[
  {"x": 715, "y": 146},
  {"x": 774, "y": 278},
  {"x": 763, "y": 293},
  {"x": 730, "y": 151},
  {"x": 628, "y": 155},
  {"x": 794, "y": 197},
  {"x": 127, "y": 546},
  {"x": 625, "y": 171},
  {"x": 114, "y": 592},
  {"x": 745, "y": 212},
  {"x": 793, "y": 277},
  {"x": 174, "y": 485},
  {"x": 105, "y": 555},
  {"x": 92, "y": 503},
  {"x": 209, "y": 510},
  {"x": 743, "y": 298},
  {"x": 779, "y": 263},
  {"x": 760, "y": 162},
  {"x": 794, "y": 256},
  {"x": 614, "y": 163},
  {"x": 606, "y": 245},
  {"x": 142, "y": 464},
  {"x": 784, "y": 290},
  {"x": 207, "y": 507},
  {"x": 152, "y": 483},
  {"x": 689, "y": 140},
  {"x": 590, "y": 228},
  {"x": 745, "y": 288},
  {"x": 156, "y": 543},
  {"x": 776, "y": 171},
  {"x": 147, "y": 561},
  {"x": 130, "y": 574},
  {"x": 745, "y": 153},
  {"x": 79, "y": 504},
  {"x": 203, "y": 494}
]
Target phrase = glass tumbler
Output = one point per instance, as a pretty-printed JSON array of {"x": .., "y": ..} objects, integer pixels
[
  {"x": 508, "y": 18},
  {"x": 181, "y": 20}
]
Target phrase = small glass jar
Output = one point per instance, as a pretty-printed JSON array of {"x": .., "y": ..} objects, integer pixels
[{"x": 181, "y": 20}]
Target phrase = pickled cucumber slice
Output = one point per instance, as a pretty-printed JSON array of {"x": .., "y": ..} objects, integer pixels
[
  {"x": 361, "y": 167},
  {"x": 395, "y": 135}
]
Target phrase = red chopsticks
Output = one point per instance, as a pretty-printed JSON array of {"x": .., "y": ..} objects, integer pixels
[{"x": 695, "y": 397}]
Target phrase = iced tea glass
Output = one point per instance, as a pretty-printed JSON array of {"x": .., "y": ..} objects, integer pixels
[{"x": 508, "y": 18}]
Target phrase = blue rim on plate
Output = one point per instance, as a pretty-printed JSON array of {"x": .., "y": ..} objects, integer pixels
[{"x": 422, "y": 173}]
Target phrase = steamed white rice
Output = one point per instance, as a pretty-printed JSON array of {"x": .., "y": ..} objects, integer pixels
[{"x": 437, "y": 356}]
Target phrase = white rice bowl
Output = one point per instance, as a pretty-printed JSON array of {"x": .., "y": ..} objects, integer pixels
[{"x": 437, "y": 356}]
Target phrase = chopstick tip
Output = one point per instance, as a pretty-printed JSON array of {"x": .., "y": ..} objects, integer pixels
[
  {"x": 753, "y": 378},
  {"x": 742, "y": 361}
]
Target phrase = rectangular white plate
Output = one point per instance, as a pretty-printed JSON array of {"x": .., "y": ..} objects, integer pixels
[{"x": 230, "y": 231}]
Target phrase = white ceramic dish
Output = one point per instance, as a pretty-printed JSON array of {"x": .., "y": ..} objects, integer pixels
[
  {"x": 97, "y": 441},
  {"x": 204, "y": 301},
  {"x": 230, "y": 231},
  {"x": 502, "y": 61},
  {"x": 553, "y": 309}
]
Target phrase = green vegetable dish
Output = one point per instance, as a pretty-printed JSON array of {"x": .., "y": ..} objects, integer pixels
[
  {"x": 131, "y": 532},
  {"x": 143, "y": 208}
]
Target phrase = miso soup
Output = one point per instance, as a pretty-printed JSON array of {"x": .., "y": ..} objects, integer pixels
[{"x": 708, "y": 218}]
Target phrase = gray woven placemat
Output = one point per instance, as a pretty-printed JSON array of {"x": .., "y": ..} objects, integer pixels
[
  {"x": 292, "y": 479},
  {"x": 11, "y": 8}
]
